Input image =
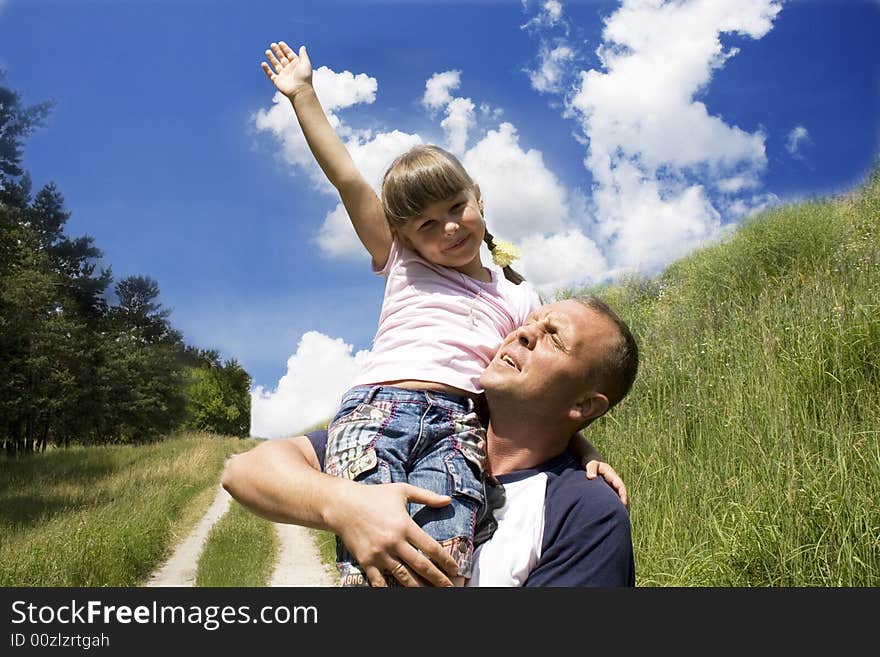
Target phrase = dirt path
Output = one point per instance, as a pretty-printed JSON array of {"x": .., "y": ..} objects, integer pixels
[
  {"x": 180, "y": 569},
  {"x": 299, "y": 563}
]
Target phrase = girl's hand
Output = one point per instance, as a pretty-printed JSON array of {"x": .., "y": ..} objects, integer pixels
[
  {"x": 609, "y": 475},
  {"x": 289, "y": 72}
]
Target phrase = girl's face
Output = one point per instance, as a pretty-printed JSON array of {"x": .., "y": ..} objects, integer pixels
[{"x": 449, "y": 232}]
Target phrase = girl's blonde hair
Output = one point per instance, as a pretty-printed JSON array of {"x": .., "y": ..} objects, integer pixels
[{"x": 423, "y": 175}]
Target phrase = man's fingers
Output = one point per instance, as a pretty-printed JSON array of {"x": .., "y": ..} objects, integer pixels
[
  {"x": 425, "y": 496},
  {"x": 404, "y": 575},
  {"x": 267, "y": 70},
  {"x": 375, "y": 576},
  {"x": 430, "y": 548},
  {"x": 424, "y": 567}
]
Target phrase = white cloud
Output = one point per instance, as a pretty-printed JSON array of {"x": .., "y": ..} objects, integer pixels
[
  {"x": 437, "y": 89},
  {"x": 527, "y": 204},
  {"x": 340, "y": 90},
  {"x": 489, "y": 112},
  {"x": 796, "y": 137},
  {"x": 735, "y": 184},
  {"x": 336, "y": 237},
  {"x": 522, "y": 197},
  {"x": 645, "y": 223},
  {"x": 372, "y": 157},
  {"x": 561, "y": 259},
  {"x": 555, "y": 55},
  {"x": 549, "y": 15},
  {"x": 550, "y": 73},
  {"x": 459, "y": 120},
  {"x": 320, "y": 371},
  {"x": 460, "y": 115},
  {"x": 653, "y": 149},
  {"x": 740, "y": 208}
]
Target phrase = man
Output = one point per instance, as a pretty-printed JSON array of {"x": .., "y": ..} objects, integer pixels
[{"x": 569, "y": 364}]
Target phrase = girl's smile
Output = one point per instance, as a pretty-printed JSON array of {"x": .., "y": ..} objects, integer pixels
[{"x": 449, "y": 233}]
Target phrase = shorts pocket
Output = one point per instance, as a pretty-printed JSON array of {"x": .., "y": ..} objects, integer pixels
[
  {"x": 350, "y": 438},
  {"x": 464, "y": 481}
]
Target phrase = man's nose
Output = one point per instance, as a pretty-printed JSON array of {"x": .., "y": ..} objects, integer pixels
[
  {"x": 450, "y": 226},
  {"x": 527, "y": 336}
]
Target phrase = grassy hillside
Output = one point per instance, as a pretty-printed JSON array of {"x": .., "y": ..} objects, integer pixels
[
  {"x": 751, "y": 441},
  {"x": 104, "y": 516}
]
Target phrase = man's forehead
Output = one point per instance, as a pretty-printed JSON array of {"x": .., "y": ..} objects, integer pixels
[
  {"x": 578, "y": 320},
  {"x": 566, "y": 309}
]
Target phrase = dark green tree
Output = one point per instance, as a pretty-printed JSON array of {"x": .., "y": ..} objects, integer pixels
[
  {"x": 145, "y": 377},
  {"x": 218, "y": 399},
  {"x": 72, "y": 367},
  {"x": 16, "y": 123}
]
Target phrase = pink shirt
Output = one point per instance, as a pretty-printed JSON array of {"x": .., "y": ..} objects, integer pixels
[{"x": 440, "y": 325}]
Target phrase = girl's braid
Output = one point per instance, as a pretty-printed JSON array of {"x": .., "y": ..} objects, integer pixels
[{"x": 509, "y": 273}]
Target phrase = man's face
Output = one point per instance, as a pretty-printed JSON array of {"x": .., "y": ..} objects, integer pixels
[{"x": 548, "y": 361}]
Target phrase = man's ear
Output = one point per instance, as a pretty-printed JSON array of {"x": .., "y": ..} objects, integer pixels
[{"x": 594, "y": 405}]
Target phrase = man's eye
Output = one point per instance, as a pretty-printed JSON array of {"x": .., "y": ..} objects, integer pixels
[{"x": 428, "y": 225}]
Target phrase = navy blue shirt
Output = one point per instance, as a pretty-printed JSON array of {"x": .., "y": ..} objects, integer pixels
[{"x": 556, "y": 528}]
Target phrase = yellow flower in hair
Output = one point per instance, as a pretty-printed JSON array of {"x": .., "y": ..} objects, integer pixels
[{"x": 504, "y": 253}]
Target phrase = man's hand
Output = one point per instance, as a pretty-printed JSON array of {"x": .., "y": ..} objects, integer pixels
[
  {"x": 289, "y": 72},
  {"x": 376, "y": 527},
  {"x": 609, "y": 475}
]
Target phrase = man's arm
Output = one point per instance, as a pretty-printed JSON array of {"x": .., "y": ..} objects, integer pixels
[
  {"x": 280, "y": 480},
  {"x": 291, "y": 73}
]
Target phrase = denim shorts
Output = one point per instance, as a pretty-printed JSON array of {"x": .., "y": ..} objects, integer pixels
[{"x": 427, "y": 438}]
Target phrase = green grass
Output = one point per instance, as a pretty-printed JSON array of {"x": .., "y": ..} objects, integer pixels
[
  {"x": 751, "y": 440},
  {"x": 326, "y": 542},
  {"x": 241, "y": 551},
  {"x": 104, "y": 516}
]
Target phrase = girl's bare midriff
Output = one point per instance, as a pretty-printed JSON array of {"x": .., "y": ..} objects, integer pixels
[{"x": 431, "y": 385}]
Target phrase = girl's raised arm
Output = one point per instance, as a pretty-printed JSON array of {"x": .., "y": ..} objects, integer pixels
[{"x": 292, "y": 75}]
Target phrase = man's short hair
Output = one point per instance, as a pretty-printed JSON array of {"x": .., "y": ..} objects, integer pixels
[{"x": 621, "y": 362}]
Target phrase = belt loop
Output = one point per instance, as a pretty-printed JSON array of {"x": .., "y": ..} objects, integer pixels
[{"x": 372, "y": 394}]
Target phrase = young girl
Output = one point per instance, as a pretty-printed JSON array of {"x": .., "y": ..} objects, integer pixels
[{"x": 412, "y": 414}]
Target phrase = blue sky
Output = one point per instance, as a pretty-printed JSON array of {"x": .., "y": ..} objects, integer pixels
[{"x": 607, "y": 136}]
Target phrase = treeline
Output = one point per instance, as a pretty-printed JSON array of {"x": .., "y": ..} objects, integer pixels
[{"x": 74, "y": 367}]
